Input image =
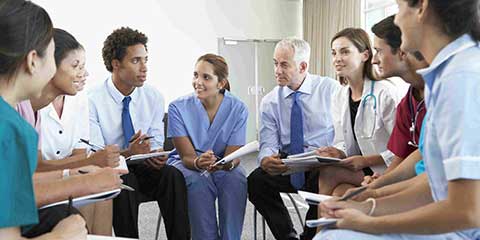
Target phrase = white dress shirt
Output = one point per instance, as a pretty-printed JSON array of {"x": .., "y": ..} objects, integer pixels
[
  {"x": 315, "y": 101},
  {"x": 146, "y": 111},
  {"x": 60, "y": 136}
]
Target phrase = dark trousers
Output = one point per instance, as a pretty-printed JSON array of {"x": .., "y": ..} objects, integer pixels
[
  {"x": 48, "y": 218},
  {"x": 264, "y": 192},
  {"x": 167, "y": 187}
]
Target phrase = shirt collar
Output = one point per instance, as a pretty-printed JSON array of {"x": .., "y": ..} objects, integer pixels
[
  {"x": 305, "y": 88},
  {"x": 460, "y": 44},
  {"x": 116, "y": 94}
]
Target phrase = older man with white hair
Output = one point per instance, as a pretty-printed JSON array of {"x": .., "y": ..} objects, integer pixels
[{"x": 295, "y": 117}]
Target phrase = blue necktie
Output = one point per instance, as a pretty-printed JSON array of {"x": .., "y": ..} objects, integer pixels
[
  {"x": 296, "y": 139},
  {"x": 127, "y": 124}
]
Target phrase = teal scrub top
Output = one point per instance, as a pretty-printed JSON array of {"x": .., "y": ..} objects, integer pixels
[{"x": 18, "y": 157}]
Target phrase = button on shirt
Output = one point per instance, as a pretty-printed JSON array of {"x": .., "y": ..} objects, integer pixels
[
  {"x": 146, "y": 110},
  {"x": 315, "y": 102},
  {"x": 60, "y": 136},
  {"x": 452, "y": 128}
]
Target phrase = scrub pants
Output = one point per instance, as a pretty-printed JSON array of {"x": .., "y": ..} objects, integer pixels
[
  {"x": 231, "y": 190},
  {"x": 349, "y": 234}
]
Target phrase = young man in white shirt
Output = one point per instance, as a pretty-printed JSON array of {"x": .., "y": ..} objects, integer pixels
[{"x": 125, "y": 112}]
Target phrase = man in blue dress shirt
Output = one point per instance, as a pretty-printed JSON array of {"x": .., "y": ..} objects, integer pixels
[
  {"x": 124, "y": 111},
  {"x": 295, "y": 117}
]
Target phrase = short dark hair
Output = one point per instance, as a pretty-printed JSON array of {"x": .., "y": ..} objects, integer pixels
[
  {"x": 64, "y": 44},
  {"x": 24, "y": 26},
  {"x": 116, "y": 44},
  {"x": 389, "y": 32},
  {"x": 457, "y": 17},
  {"x": 361, "y": 41}
]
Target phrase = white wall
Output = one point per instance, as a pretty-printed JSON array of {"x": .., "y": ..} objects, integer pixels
[{"x": 179, "y": 31}]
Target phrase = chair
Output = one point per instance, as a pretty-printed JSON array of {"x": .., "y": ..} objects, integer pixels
[
  {"x": 299, "y": 215},
  {"x": 167, "y": 146}
]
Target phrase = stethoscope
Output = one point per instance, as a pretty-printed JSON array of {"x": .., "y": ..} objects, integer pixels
[
  {"x": 364, "y": 101},
  {"x": 413, "y": 117}
]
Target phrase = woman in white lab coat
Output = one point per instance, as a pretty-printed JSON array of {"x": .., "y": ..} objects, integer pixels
[{"x": 363, "y": 102}]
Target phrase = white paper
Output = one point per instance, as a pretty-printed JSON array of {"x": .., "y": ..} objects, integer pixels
[
  {"x": 85, "y": 200},
  {"x": 122, "y": 164},
  {"x": 148, "y": 155},
  {"x": 313, "y": 198},
  {"x": 301, "y": 164},
  {"x": 310, "y": 153},
  {"x": 320, "y": 222},
  {"x": 245, "y": 150}
]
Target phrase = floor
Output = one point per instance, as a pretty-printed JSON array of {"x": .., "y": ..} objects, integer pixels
[{"x": 149, "y": 214}]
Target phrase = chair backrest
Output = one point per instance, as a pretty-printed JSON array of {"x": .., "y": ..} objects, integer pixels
[{"x": 167, "y": 144}]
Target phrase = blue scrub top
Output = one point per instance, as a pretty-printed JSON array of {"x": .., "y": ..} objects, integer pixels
[
  {"x": 187, "y": 117},
  {"x": 420, "y": 165},
  {"x": 18, "y": 156}
]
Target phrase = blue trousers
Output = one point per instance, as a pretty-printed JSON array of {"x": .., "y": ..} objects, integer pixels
[
  {"x": 349, "y": 234},
  {"x": 230, "y": 188}
]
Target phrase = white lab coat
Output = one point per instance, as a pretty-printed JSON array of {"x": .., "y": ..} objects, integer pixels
[{"x": 372, "y": 136}]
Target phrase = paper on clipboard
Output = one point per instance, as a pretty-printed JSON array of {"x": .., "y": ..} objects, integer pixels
[
  {"x": 245, "y": 150},
  {"x": 122, "y": 164},
  {"x": 85, "y": 200},
  {"x": 147, "y": 156},
  {"x": 301, "y": 164},
  {"x": 313, "y": 198},
  {"x": 321, "y": 222}
]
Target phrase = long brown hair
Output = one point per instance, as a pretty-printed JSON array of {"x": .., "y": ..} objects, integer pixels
[
  {"x": 360, "y": 40},
  {"x": 220, "y": 68}
]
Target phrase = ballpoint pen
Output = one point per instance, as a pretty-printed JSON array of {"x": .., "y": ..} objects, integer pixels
[
  {"x": 353, "y": 193},
  {"x": 142, "y": 140},
  {"x": 93, "y": 145},
  {"x": 200, "y": 151},
  {"x": 122, "y": 186}
]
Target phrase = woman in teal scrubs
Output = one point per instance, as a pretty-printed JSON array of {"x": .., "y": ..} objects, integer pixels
[{"x": 26, "y": 66}]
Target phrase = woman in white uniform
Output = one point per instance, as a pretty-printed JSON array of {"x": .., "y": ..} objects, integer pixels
[
  {"x": 447, "y": 204},
  {"x": 363, "y": 115},
  {"x": 65, "y": 121}
]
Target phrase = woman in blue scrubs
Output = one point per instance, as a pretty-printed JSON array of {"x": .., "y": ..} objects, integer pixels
[
  {"x": 26, "y": 65},
  {"x": 447, "y": 205},
  {"x": 207, "y": 125}
]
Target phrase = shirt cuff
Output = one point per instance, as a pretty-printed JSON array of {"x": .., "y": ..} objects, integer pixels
[
  {"x": 387, "y": 157},
  {"x": 462, "y": 168},
  {"x": 265, "y": 152}
]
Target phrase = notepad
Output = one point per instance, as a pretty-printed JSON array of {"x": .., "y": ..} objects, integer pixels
[
  {"x": 304, "y": 163},
  {"x": 148, "y": 155},
  {"x": 89, "y": 199},
  {"x": 321, "y": 222},
  {"x": 313, "y": 198}
]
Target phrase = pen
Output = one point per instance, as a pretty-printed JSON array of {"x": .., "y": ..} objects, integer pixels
[
  {"x": 146, "y": 138},
  {"x": 122, "y": 186},
  {"x": 70, "y": 202},
  {"x": 200, "y": 151},
  {"x": 354, "y": 193},
  {"x": 91, "y": 144}
]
